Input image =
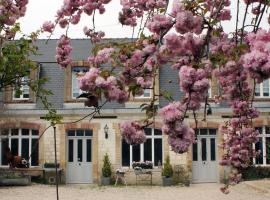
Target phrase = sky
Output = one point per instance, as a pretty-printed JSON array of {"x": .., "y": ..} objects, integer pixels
[{"x": 39, "y": 11}]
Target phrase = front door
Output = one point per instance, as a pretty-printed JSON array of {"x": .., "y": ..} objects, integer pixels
[
  {"x": 79, "y": 156},
  {"x": 204, "y": 156}
]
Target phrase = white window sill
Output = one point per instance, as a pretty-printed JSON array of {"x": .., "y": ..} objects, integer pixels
[{"x": 16, "y": 106}]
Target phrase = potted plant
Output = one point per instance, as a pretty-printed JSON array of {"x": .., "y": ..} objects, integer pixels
[
  {"x": 167, "y": 173},
  {"x": 106, "y": 171}
]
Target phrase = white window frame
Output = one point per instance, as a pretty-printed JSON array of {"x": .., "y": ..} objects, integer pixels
[
  {"x": 19, "y": 137},
  {"x": 263, "y": 135},
  {"x": 261, "y": 88},
  {"x": 210, "y": 89},
  {"x": 143, "y": 95},
  {"x": 73, "y": 79},
  {"x": 24, "y": 86},
  {"x": 152, "y": 137}
]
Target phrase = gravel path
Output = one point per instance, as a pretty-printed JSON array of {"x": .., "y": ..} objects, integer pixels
[{"x": 83, "y": 192}]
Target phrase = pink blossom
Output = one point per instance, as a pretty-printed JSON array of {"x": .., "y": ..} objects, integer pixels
[
  {"x": 132, "y": 132},
  {"x": 48, "y": 26}
]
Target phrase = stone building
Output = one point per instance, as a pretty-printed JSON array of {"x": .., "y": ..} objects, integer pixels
[{"x": 81, "y": 146}]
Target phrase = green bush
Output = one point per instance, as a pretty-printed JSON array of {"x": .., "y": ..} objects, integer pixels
[
  {"x": 106, "y": 169},
  {"x": 167, "y": 170},
  {"x": 253, "y": 173}
]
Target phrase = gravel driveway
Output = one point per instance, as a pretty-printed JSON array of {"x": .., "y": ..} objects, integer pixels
[{"x": 84, "y": 192}]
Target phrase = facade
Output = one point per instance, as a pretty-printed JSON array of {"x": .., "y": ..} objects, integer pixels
[{"x": 82, "y": 145}]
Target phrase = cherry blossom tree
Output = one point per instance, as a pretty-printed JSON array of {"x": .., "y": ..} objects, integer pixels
[{"x": 190, "y": 39}]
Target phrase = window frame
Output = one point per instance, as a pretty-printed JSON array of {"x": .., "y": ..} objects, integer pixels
[
  {"x": 22, "y": 88},
  {"x": 263, "y": 135},
  {"x": 72, "y": 80},
  {"x": 261, "y": 90},
  {"x": 30, "y": 137},
  {"x": 152, "y": 137}
]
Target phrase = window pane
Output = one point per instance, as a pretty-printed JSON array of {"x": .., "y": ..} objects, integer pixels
[
  {"x": 158, "y": 132},
  {"x": 258, "y": 146},
  {"x": 25, "y": 148},
  {"x": 4, "y": 144},
  {"x": 147, "y": 93},
  {"x": 35, "y": 152},
  {"x": 14, "y": 131},
  {"x": 204, "y": 151},
  {"x": 203, "y": 131},
  {"x": 88, "y": 133},
  {"x": 267, "y": 150},
  {"x": 267, "y": 130},
  {"x": 70, "y": 150},
  {"x": 158, "y": 151},
  {"x": 80, "y": 133},
  {"x": 34, "y": 132},
  {"x": 71, "y": 132},
  {"x": 212, "y": 131},
  {"x": 266, "y": 88},
  {"x": 15, "y": 146},
  {"x": 213, "y": 148},
  {"x": 76, "y": 72},
  {"x": 257, "y": 90},
  {"x": 195, "y": 151},
  {"x": 79, "y": 151},
  {"x": 89, "y": 150},
  {"x": 25, "y": 131},
  {"x": 125, "y": 153},
  {"x": 148, "y": 150},
  {"x": 4, "y": 132},
  {"x": 259, "y": 129},
  {"x": 148, "y": 131},
  {"x": 136, "y": 154}
]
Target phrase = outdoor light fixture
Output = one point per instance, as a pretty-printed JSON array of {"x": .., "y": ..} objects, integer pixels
[{"x": 106, "y": 130}]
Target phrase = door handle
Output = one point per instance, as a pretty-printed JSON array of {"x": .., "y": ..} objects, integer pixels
[{"x": 80, "y": 164}]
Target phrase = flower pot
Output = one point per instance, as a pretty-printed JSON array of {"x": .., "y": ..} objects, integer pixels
[
  {"x": 167, "y": 181},
  {"x": 19, "y": 181},
  {"x": 105, "y": 180}
]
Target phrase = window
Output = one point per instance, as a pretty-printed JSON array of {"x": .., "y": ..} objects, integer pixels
[
  {"x": 262, "y": 89},
  {"x": 151, "y": 150},
  {"x": 22, "y": 142},
  {"x": 146, "y": 94},
  {"x": 77, "y": 72},
  {"x": 21, "y": 92},
  {"x": 264, "y": 146}
]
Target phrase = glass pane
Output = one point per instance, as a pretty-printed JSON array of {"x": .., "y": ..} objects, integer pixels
[
  {"x": 136, "y": 154},
  {"x": 125, "y": 153},
  {"x": 195, "y": 151},
  {"x": 267, "y": 130},
  {"x": 158, "y": 132},
  {"x": 158, "y": 151},
  {"x": 213, "y": 148},
  {"x": 148, "y": 150},
  {"x": 4, "y": 145},
  {"x": 204, "y": 150},
  {"x": 267, "y": 150},
  {"x": 257, "y": 90},
  {"x": 4, "y": 132},
  {"x": 147, "y": 93},
  {"x": 258, "y": 146},
  {"x": 79, "y": 152},
  {"x": 259, "y": 129},
  {"x": 70, "y": 150},
  {"x": 25, "y": 148},
  {"x": 35, "y": 152},
  {"x": 203, "y": 131},
  {"x": 71, "y": 132},
  {"x": 25, "y": 131},
  {"x": 88, "y": 150},
  {"x": 80, "y": 133},
  {"x": 212, "y": 131},
  {"x": 14, "y": 131},
  {"x": 88, "y": 133},
  {"x": 15, "y": 146},
  {"x": 266, "y": 88},
  {"x": 34, "y": 132},
  {"x": 148, "y": 131}
]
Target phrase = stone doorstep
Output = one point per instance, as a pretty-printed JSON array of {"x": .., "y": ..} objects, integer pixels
[{"x": 258, "y": 185}]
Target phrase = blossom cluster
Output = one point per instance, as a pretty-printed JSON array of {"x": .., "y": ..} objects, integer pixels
[
  {"x": 133, "y": 9},
  {"x": 93, "y": 35},
  {"x": 11, "y": 11},
  {"x": 93, "y": 82},
  {"x": 132, "y": 132},
  {"x": 63, "y": 51}
]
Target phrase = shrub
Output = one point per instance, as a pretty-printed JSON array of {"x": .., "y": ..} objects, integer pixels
[
  {"x": 106, "y": 169},
  {"x": 253, "y": 173},
  {"x": 167, "y": 170}
]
